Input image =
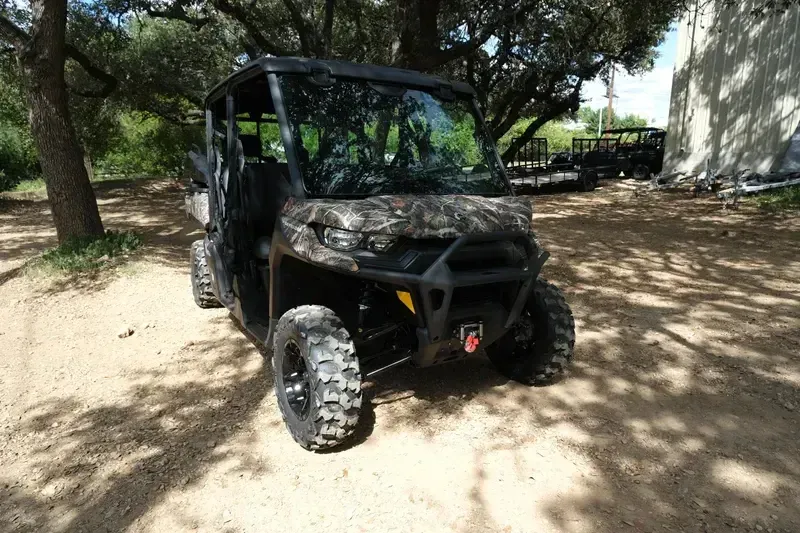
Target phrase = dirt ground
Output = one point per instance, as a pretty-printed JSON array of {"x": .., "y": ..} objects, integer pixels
[{"x": 682, "y": 412}]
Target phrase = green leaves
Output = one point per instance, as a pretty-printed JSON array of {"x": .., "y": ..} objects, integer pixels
[
  {"x": 86, "y": 253},
  {"x": 590, "y": 117},
  {"x": 525, "y": 57}
]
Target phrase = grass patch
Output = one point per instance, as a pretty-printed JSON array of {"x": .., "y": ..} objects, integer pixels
[
  {"x": 38, "y": 184},
  {"x": 29, "y": 185},
  {"x": 788, "y": 198},
  {"x": 82, "y": 254}
]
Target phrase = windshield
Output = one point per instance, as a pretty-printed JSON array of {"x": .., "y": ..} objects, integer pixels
[{"x": 358, "y": 138}]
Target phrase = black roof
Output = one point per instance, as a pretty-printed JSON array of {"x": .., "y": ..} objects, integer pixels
[
  {"x": 341, "y": 69},
  {"x": 632, "y": 130}
]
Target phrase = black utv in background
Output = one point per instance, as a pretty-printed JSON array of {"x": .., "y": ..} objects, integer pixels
[
  {"x": 639, "y": 151},
  {"x": 358, "y": 218}
]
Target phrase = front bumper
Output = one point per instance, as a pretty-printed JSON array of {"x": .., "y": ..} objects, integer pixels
[{"x": 433, "y": 293}]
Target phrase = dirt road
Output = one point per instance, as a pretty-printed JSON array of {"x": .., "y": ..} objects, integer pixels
[{"x": 682, "y": 412}]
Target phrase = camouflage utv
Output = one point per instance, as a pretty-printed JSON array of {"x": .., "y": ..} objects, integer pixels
[{"x": 358, "y": 218}]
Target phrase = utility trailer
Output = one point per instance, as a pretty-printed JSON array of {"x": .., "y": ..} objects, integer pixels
[
  {"x": 596, "y": 153},
  {"x": 728, "y": 187},
  {"x": 753, "y": 183},
  {"x": 534, "y": 169}
]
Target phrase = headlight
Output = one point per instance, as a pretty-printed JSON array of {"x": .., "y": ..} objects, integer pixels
[
  {"x": 342, "y": 240},
  {"x": 346, "y": 241},
  {"x": 380, "y": 243}
]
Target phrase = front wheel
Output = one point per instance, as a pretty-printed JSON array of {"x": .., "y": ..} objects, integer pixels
[
  {"x": 539, "y": 347},
  {"x": 317, "y": 377}
]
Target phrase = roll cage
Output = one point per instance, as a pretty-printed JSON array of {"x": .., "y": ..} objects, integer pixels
[{"x": 253, "y": 95}]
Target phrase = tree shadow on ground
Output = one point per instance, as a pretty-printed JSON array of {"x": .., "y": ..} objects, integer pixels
[
  {"x": 152, "y": 208},
  {"x": 681, "y": 412},
  {"x": 682, "y": 409},
  {"x": 166, "y": 437}
]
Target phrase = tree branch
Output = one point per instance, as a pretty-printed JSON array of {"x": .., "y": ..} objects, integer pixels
[
  {"x": 327, "y": 30},
  {"x": 432, "y": 59},
  {"x": 514, "y": 101},
  {"x": 177, "y": 11},
  {"x": 19, "y": 38},
  {"x": 571, "y": 103},
  {"x": 109, "y": 82},
  {"x": 250, "y": 48},
  {"x": 428, "y": 23},
  {"x": 300, "y": 25},
  {"x": 242, "y": 16},
  {"x": 12, "y": 33}
]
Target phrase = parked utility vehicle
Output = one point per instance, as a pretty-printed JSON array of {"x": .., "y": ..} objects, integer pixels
[{"x": 358, "y": 218}]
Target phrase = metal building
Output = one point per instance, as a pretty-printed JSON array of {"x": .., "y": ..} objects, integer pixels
[{"x": 736, "y": 90}]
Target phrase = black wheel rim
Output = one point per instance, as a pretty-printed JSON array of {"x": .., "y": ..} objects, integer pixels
[
  {"x": 296, "y": 384},
  {"x": 522, "y": 332}
]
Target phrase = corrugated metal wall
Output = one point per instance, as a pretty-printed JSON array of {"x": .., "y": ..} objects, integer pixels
[{"x": 736, "y": 88}]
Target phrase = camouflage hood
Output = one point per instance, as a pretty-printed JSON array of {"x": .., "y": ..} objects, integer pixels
[{"x": 418, "y": 217}]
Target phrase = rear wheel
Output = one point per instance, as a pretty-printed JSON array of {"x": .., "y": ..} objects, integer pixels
[
  {"x": 539, "y": 348},
  {"x": 640, "y": 172},
  {"x": 317, "y": 377},
  {"x": 589, "y": 181},
  {"x": 201, "y": 278}
]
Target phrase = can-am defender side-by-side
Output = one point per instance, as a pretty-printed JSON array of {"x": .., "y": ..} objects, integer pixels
[{"x": 358, "y": 218}]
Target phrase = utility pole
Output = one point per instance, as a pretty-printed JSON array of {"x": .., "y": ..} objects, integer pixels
[
  {"x": 600, "y": 124},
  {"x": 610, "y": 110}
]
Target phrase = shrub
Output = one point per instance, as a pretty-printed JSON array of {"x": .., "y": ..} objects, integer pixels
[
  {"x": 90, "y": 253},
  {"x": 149, "y": 146},
  {"x": 788, "y": 198},
  {"x": 17, "y": 156}
]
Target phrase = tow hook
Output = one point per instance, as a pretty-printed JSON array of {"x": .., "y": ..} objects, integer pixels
[{"x": 470, "y": 335}]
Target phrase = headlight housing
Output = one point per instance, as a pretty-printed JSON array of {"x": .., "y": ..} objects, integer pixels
[
  {"x": 380, "y": 243},
  {"x": 347, "y": 241},
  {"x": 342, "y": 240}
]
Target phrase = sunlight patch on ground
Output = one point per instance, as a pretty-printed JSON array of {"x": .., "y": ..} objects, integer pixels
[{"x": 748, "y": 481}]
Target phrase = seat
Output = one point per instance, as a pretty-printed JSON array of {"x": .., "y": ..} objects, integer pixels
[
  {"x": 267, "y": 188},
  {"x": 251, "y": 146}
]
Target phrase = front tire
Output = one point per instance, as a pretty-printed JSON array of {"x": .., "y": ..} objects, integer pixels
[
  {"x": 539, "y": 347},
  {"x": 201, "y": 278},
  {"x": 317, "y": 377}
]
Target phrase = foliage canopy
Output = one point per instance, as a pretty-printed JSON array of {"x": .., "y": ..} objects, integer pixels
[{"x": 157, "y": 58}]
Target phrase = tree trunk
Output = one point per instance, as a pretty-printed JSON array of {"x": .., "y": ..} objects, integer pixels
[
  {"x": 72, "y": 199},
  {"x": 381, "y": 137}
]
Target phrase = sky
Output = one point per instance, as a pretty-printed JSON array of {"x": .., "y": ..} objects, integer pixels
[{"x": 647, "y": 95}]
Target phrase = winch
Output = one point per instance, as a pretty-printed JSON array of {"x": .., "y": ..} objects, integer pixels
[{"x": 470, "y": 335}]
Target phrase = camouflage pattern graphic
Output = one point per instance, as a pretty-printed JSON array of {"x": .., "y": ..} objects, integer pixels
[
  {"x": 197, "y": 206},
  {"x": 416, "y": 217},
  {"x": 306, "y": 244}
]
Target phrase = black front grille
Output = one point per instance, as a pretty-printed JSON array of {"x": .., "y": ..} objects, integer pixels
[
  {"x": 487, "y": 255},
  {"x": 415, "y": 256},
  {"x": 480, "y": 294}
]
